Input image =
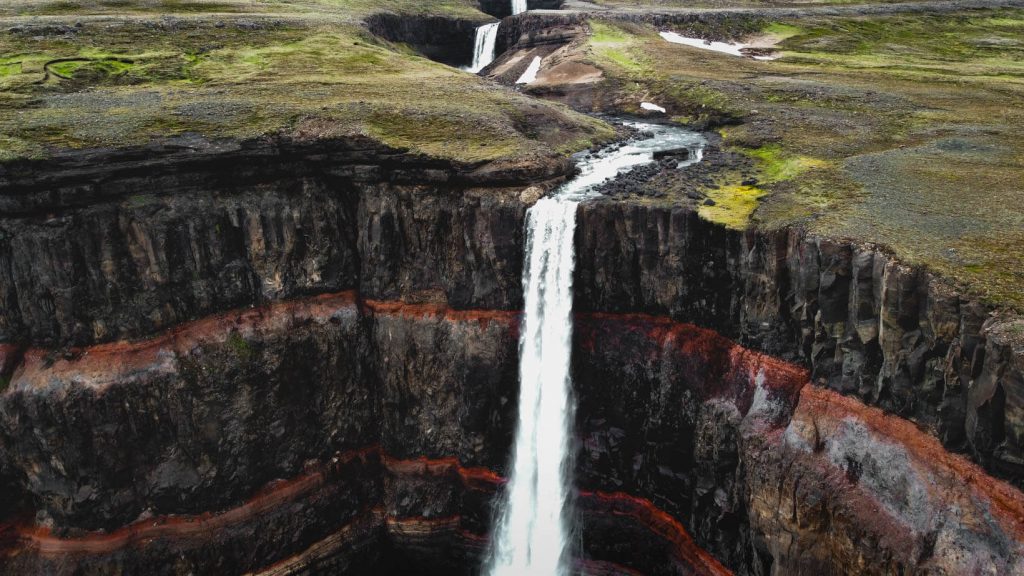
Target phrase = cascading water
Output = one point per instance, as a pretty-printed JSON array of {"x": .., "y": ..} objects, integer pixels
[
  {"x": 534, "y": 527},
  {"x": 483, "y": 46},
  {"x": 518, "y": 6}
]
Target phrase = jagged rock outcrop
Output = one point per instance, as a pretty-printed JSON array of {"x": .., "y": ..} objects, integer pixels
[{"x": 847, "y": 488}]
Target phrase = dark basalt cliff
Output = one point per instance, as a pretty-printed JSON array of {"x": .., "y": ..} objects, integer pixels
[
  {"x": 308, "y": 364},
  {"x": 447, "y": 40},
  {"x": 892, "y": 335},
  {"x": 98, "y": 247},
  {"x": 503, "y": 8}
]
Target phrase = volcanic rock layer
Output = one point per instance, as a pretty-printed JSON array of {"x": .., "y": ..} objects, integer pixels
[{"x": 309, "y": 366}]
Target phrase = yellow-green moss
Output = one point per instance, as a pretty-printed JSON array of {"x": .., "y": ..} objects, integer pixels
[
  {"x": 776, "y": 165},
  {"x": 240, "y": 346},
  {"x": 734, "y": 204}
]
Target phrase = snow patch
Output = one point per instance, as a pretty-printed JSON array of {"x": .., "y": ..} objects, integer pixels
[
  {"x": 731, "y": 48},
  {"x": 652, "y": 107},
  {"x": 531, "y": 72}
]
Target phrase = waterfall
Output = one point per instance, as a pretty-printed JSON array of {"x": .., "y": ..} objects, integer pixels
[
  {"x": 532, "y": 539},
  {"x": 534, "y": 521},
  {"x": 518, "y": 6},
  {"x": 483, "y": 46}
]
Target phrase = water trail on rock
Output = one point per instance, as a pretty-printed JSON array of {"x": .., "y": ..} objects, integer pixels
[
  {"x": 534, "y": 524},
  {"x": 484, "y": 46},
  {"x": 518, "y": 6}
]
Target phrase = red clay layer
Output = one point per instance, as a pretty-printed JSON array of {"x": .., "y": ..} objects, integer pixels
[
  {"x": 729, "y": 367},
  {"x": 728, "y": 362},
  {"x": 273, "y": 495},
  {"x": 434, "y": 310},
  {"x": 823, "y": 406},
  {"x": 106, "y": 363},
  {"x": 472, "y": 477},
  {"x": 663, "y": 525},
  {"x": 23, "y": 536}
]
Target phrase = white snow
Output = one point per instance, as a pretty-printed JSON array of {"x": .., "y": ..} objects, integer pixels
[
  {"x": 531, "y": 72},
  {"x": 652, "y": 107},
  {"x": 731, "y": 48}
]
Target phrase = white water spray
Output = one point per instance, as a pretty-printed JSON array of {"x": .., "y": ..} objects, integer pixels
[
  {"x": 518, "y": 6},
  {"x": 534, "y": 526},
  {"x": 484, "y": 46}
]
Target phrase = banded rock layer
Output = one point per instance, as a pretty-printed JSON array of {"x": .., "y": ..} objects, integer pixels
[{"x": 360, "y": 412}]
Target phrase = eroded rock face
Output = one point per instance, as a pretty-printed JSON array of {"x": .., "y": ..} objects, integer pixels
[
  {"x": 696, "y": 456},
  {"x": 192, "y": 421},
  {"x": 865, "y": 324},
  {"x": 447, "y": 40},
  {"x": 390, "y": 424},
  {"x": 88, "y": 255},
  {"x": 503, "y": 8},
  {"x": 846, "y": 485},
  {"x": 664, "y": 409},
  {"x": 362, "y": 414}
]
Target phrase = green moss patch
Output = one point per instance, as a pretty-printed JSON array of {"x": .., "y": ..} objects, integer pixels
[
  {"x": 777, "y": 165},
  {"x": 130, "y": 82},
  {"x": 240, "y": 346}
]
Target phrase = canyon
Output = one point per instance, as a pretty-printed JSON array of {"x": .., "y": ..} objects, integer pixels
[{"x": 300, "y": 355}]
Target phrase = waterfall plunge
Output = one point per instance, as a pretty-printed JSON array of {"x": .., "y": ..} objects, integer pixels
[
  {"x": 532, "y": 537},
  {"x": 518, "y": 6},
  {"x": 483, "y": 47},
  {"x": 534, "y": 525}
]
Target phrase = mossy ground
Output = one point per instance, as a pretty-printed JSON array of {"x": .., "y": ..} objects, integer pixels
[
  {"x": 733, "y": 205},
  {"x": 301, "y": 68},
  {"x": 904, "y": 130},
  {"x": 344, "y": 8}
]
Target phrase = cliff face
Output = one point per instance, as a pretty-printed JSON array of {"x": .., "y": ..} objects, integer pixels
[
  {"x": 865, "y": 324},
  {"x": 322, "y": 375},
  {"x": 503, "y": 8},
  {"x": 102, "y": 247},
  {"x": 447, "y": 40}
]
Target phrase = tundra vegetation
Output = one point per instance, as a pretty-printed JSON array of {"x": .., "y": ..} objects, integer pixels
[{"x": 901, "y": 130}]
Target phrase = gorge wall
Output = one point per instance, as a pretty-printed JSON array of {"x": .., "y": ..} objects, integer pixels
[{"x": 309, "y": 364}]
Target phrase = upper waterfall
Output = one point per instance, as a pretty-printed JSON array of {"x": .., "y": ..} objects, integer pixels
[
  {"x": 518, "y": 6},
  {"x": 484, "y": 46}
]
